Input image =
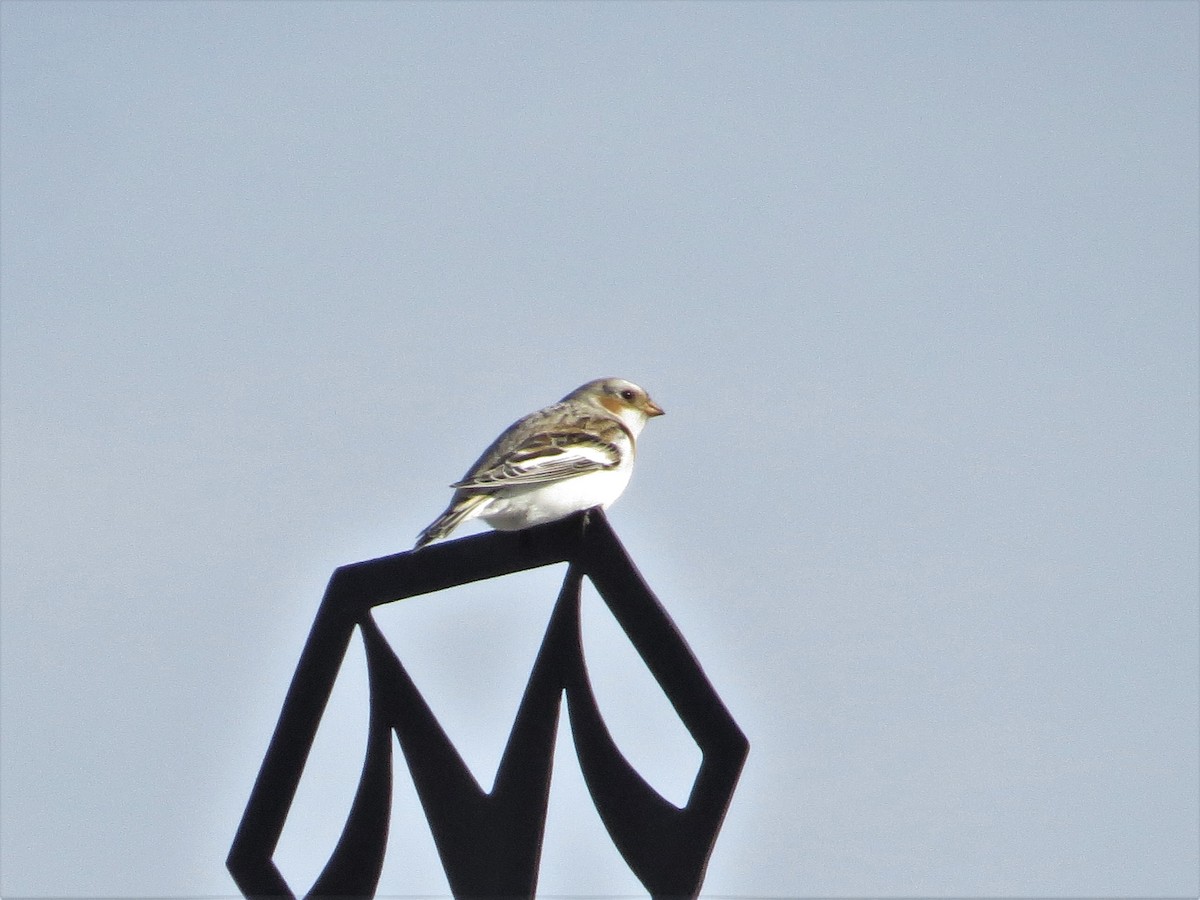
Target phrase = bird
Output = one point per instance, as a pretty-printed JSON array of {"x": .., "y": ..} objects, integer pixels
[{"x": 572, "y": 455}]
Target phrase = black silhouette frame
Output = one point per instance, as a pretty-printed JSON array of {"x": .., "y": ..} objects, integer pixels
[{"x": 490, "y": 842}]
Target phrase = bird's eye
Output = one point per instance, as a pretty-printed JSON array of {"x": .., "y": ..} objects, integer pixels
[{"x": 628, "y": 395}]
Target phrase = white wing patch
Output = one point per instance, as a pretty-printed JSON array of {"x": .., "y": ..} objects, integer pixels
[{"x": 546, "y": 458}]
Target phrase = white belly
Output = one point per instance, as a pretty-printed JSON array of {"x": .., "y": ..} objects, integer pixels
[{"x": 515, "y": 508}]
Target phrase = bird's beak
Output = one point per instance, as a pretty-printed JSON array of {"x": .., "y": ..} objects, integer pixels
[{"x": 652, "y": 409}]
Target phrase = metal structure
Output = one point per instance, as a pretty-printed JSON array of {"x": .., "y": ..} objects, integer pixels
[{"x": 490, "y": 842}]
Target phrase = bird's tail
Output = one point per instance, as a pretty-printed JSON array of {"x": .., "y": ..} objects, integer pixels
[{"x": 456, "y": 513}]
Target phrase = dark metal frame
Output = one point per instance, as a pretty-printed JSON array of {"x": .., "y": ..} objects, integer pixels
[{"x": 490, "y": 842}]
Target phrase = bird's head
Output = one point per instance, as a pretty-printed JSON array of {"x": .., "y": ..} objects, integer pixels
[{"x": 624, "y": 399}]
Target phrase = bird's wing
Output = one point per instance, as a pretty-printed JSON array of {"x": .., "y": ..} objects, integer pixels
[{"x": 544, "y": 456}]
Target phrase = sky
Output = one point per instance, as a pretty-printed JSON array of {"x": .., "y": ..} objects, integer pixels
[{"x": 916, "y": 283}]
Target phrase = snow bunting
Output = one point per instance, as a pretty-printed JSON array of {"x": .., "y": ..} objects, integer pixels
[{"x": 573, "y": 455}]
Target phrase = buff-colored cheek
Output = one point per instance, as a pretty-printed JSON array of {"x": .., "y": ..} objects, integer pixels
[{"x": 612, "y": 404}]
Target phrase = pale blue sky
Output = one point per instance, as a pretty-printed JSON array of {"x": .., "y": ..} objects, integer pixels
[{"x": 916, "y": 283}]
